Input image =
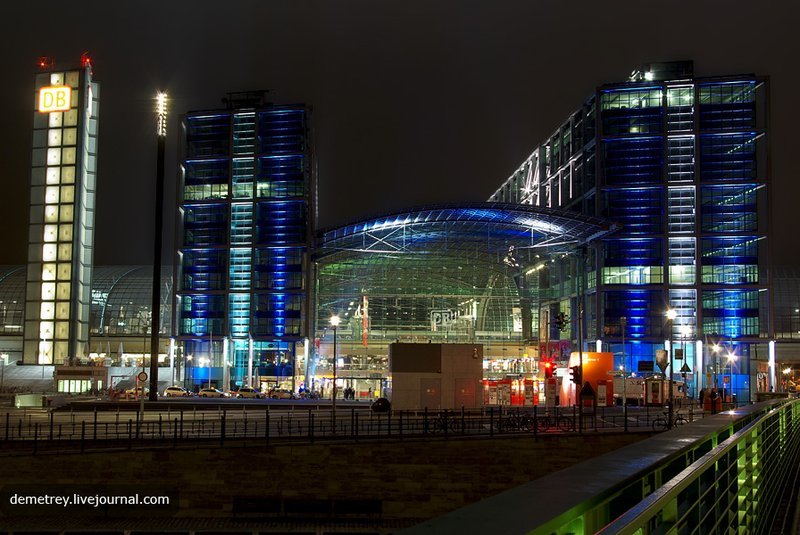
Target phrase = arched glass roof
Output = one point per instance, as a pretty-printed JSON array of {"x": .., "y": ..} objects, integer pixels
[
  {"x": 121, "y": 300},
  {"x": 12, "y": 299},
  {"x": 453, "y": 272},
  {"x": 451, "y": 229}
]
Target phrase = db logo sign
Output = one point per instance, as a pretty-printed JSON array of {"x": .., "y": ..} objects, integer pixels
[{"x": 55, "y": 98}]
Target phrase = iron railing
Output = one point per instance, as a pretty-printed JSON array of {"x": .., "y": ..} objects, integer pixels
[{"x": 41, "y": 430}]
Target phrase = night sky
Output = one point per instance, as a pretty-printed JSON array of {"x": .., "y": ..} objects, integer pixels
[{"x": 415, "y": 102}]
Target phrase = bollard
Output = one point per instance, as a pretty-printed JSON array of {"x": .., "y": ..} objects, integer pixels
[
  {"x": 50, "y": 436},
  {"x": 130, "y": 433},
  {"x": 425, "y": 421},
  {"x": 463, "y": 422},
  {"x": 83, "y": 435},
  {"x": 95, "y": 423},
  {"x": 175, "y": 434},
  {"x": 160, "y": 430},
  {"x": 266, "y": 426}
]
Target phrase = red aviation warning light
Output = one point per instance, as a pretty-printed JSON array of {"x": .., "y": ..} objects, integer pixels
[
  {"x": 86, "y": 61},
  {"x": 45, "y": 63}
]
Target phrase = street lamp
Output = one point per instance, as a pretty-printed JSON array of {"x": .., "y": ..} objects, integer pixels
[
  {"x": 716, "y": 349},
  {"x": 335, "y": 320},
  {"x": 623, "y": 321},
  {"x": 731, "y": 359},
  {"x": 686, "y": 332},
  {"x": 207, "y": 362},
  {"x": 191, "y": 374},
  {"x": 671, "y": 315}
]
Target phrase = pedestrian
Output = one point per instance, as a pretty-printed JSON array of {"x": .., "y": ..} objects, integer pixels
[{"x": 701, "y": 396}]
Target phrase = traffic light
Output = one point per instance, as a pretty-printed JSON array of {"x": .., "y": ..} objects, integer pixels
[
  {"x": 548, "y": 369},
  {"x": 575, "y": 373}
]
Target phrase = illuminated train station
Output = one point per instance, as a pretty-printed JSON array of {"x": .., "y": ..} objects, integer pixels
[
  {"x": 442, "y": 274},
  {"x": 651, "y": 197}
]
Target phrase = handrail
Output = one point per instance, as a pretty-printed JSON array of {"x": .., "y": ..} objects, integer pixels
[
  {"x": 586, "y": 497},
  {"x": 631, "y": 521}
]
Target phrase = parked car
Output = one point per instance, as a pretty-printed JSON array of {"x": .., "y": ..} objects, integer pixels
[
  {"x": 176, "y": 392},
  {"x": 248, "y": 392},
  {"x": 281, "y": 393},
  {"x": 212, "y": 393}
]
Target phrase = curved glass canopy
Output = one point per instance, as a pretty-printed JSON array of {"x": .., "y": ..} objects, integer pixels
[{"x": 446, "y": 273}]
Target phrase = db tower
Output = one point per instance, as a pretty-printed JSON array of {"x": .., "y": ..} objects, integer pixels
[{"x": 62, "y": 212}]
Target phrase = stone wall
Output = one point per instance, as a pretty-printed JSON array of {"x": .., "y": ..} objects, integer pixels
[{"x": 408, "y": 480}]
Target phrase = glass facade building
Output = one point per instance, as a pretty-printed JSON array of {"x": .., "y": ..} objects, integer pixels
[
  {"x": 246, "y": 210},
  {"x": 681, "y": 163},
  {"x": 61, "y": 225},
  {"x": 436, "y": 274}
]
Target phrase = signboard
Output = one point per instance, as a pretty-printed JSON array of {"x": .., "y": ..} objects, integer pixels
[
  {"x": 441, "y": 318},
  {"x": 646, "y": 366},
  {"x": 55, "y": 98},
  {"x": 142, "y": 376},
  {"x": 678, "y": 354},
  {"x": 551, "y": 392},
  {"x": 662, "y": 360}
]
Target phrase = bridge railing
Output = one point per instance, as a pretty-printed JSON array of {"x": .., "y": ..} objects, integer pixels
[{"x": 726, "y": 473}]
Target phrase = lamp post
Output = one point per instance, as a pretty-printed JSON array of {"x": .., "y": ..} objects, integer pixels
[
  {"x": 187, "y": 367},
  {"x": 335, "y": 320},
  {"x": 207, "y": 362},
  {"x": 623, "y": 321},
  {"x": 686, "y": 332},
  {"x": 731, "y": 359},
  {"x": 671, "y": 315}
]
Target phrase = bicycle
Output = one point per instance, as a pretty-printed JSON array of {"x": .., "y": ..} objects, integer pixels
[
  {"x": 517, "y": 421},
  {"x": 662, "y": 422},
  {"x": 545, "y": 422},
  {"x": 440, "y": 424}
]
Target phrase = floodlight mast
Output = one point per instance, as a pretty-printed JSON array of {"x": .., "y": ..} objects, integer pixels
[{"x": 155, "y": 308}]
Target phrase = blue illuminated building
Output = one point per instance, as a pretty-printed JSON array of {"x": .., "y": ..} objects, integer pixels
[
  {"x": 682, "y": 164},
  {"x": 246, "y": 210}
]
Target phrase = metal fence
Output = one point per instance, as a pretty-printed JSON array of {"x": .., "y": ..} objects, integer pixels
[{"x": 41, "y": 431}]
